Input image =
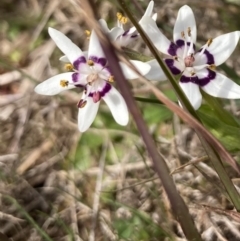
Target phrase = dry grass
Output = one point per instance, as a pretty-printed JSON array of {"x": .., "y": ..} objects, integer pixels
[{"x": 99, "y": 185}]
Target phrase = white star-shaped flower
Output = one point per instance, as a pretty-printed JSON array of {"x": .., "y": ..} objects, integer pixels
[
  {"x": 124, "y": 37},
  {"x": 90, "y": 71},
  {"x": 197, "y": 68}
]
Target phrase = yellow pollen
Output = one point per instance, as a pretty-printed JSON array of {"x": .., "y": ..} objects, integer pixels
[
  {"x": 193, "y": 73},
  {"x": 209, "y": 42},
  {"x": 189, "y": 31},
  {"x": 111, "y": 79},
  {"x": 64, "y": 83},
  {"x": 119, "y": 15},
  {"x": 88, "y": 33},
  {"x": 212, "y": 66},
  {"x": 90, "y": 62},
  {"x": 183, "y": 34},
  {"x": 68, "y": 67},
  {"x": 121, "y": 18}
]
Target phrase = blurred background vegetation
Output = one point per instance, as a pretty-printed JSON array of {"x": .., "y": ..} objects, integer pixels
[{"x": 59, "y": 184}]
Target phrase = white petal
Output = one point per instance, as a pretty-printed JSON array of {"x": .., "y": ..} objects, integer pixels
[
  {"x": 143, "y": 69},
  {"x": 222, "y": 87},
  {"x": 185, "y": 20},
  {"x": 87, "y": 114},
  {"x": 200, "y": 59},
  {"x": 117, "y": 106},
  {"x": 95, "y": 48},
  {"x": 115, "y": 33},
  {"x": 223, "y": 46},
  {"x": 155, "y": 72},
  {"x": 154, "y": 17},
  {"x": 64, "y": 59},
  {"x": 193, "y": 94},
  {"x": 52, "y": 85},
  {"x": 104, "y": 25},
  {"x": 149, "y": 9},
  {"x": 71, "y": 50},
  {"x": 156, "y": 36}
]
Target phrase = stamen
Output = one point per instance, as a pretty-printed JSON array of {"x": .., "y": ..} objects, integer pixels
[
  {"x": 209, "y": 42},
  {"x": 90, "y": 62},
  {"x": 81, "y": 103},
  {"x": 183, "y": 34},
  {"x": 96, "y": 96},
  {"x": 69, "y": 67},
  {"x": 88, "y": 33},
  {"x": 121, "y": 18},
  {"x": 193, "y": 73},
  {"x": 175, "y": 58},
  {"x": 64, "y": 83},
  {"x": 189, "y": 31},
  {"x": 119, "y": 15},
  {"x": 111, "y": 79},
  {"x": 212, "y": 66}
]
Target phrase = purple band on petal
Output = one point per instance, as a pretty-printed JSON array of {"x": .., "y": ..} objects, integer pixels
[
  {"x": 107, "y": 87},
  {"x": 79, "y": 61},
  {"x": 75, "y": 77},
  {"x": 185, "y": 79},
  {"x": 180, "y": 43},
  {"x": 170, "y": 64},
  {"x": 172, "y": 50},
  {"x": 204, "y": 81},
  {"x": 134, "y": 36},
  {"x": 101, "y": 61},
  {"x": 210, "y": 58},
  {"x": 125, "y": 33},
  {"x": 201, "y": 82}
]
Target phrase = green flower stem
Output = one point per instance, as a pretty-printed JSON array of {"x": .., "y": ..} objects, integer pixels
[{"x": 216, "y": 161}]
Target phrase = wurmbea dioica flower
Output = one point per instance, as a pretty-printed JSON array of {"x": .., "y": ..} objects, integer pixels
[
  {"x": 197, "y": 68},
  {"x": 124, "y": 37},
  {"x": 90, "y": 71}
]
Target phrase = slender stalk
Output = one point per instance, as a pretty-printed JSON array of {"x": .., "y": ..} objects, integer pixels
[{"x": 214, "y": 157}]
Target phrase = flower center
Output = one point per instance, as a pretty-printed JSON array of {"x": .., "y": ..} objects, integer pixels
[
  {"x": 92, "y": 78},
  {"x": 189, "y": 60}
]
